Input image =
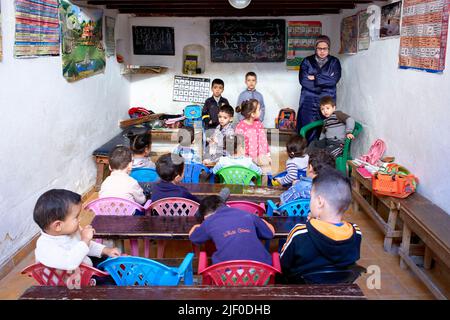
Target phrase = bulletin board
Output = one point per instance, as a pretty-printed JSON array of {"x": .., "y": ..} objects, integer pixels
[{"x": 191, "y": 89}]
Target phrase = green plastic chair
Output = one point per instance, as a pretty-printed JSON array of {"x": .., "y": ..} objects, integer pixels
[
  {"x": 341, "y": 161},
  {"x": 238, "y": 175}
]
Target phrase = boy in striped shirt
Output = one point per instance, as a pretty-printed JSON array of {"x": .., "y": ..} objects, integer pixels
[
  {"x": 337, "y": 126},
  {"x": 325, "y": 240}
]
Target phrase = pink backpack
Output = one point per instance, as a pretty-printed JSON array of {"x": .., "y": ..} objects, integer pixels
[{"x": 376, "y": 151}]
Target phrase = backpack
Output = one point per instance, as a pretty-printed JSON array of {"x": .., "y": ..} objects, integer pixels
[
  {"x": 376, "y": 151},
  {"x": 286, "y": 120},
  {"x": 138, "y": 112},
  {"x": 193, "y": 114}
]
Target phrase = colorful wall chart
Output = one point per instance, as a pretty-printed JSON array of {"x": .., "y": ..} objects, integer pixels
[
  {"x": 82, "y": 50},
  {"x": 423, "y": 40},
  {"x": 37, "y": 28},
  {"x": 301, "y": 38}
]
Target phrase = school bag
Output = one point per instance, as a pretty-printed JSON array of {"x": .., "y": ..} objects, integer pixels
[
  {"x": 286, "y": 120},
  {"x": 138, "y": 112},
  {"x": 395, "y": 181},
  {"x": 375, "y": 153},
  {"x": 193, "y": 114}
]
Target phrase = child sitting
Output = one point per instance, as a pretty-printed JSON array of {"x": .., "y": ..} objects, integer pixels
[
  {"x": 235, "y": 144},
  {"x": 251, "y": 94},
  {"x": 63, "y": 244},
  {"x": 140, "y": 146},
  {"x": 236, "y": 233},
  {"x": 184, "y": 149},
  {"x": 325, "y": 240},
  {"x": 119, "y": 184},
  {"x": 256, "y": 145},
  {"x": 298, "y": 160},
  {"x": 336, "y": 127},
  {"x": 224, "y": 129},
  {"x": 318, "y": 160},
  {"x": 212, "y": 105},
  {"x": 170, "y": 169}
]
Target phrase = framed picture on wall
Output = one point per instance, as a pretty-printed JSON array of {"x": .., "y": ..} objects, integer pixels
[{"x": 390, "y": 20}]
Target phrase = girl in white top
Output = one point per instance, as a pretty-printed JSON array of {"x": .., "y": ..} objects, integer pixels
[{"x": 236, "y": 144}]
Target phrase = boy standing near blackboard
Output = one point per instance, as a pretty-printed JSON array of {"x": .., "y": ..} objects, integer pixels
[
  {"x": 251, "y": 93},
  {"x": 210, "y": 112}
]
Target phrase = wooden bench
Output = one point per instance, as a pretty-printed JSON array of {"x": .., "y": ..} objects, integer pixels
[
  {"x": 432, "y": 225},
  {"x": 275, "y": 292},
  {"x": 362, "y": 187}
]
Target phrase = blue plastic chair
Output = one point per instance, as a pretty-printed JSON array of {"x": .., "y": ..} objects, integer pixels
[
  {"x": 144, "y": 174},
  {"x": 300, "y": 173},
  {"x": 136, "y": 271},
  {"x": 296, "y": 208},
  {"x": 192, "y": 171}
]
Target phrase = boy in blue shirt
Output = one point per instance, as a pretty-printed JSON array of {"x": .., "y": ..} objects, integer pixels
[
  {"x": 170, "y": 168},
  {"x": 236, "y": 233},
  {"x": 251, "y": 93}
]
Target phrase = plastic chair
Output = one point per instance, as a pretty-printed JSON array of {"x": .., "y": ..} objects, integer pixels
[
  {"x": 299, "y": 208},
  {"x": 111, "y": 206},
  {"x": 170, "y": 207},
  {"x": 258, "y": 209},
  {"x": 144, "y": 174},
  {"x": 238, "y": 175},
  {"x": 333, "y": 275},
  {"x": 300, "y": 173},
  {"x": 238, "y": 272},
  {"x": 341, "y": 161},
  {"x": 192, "y": 172},
  {"x": 137, "y": 271},
  {"x": 47, "y": 276}
]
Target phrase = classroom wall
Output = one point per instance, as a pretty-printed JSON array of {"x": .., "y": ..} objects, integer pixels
[
  {"x": 407, "y": 109},
  {"x": 49, "y": 129},
  {"x": 279, "y": 86}
]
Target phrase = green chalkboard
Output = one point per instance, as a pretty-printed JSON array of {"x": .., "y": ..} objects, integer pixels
[{"x": 247, "y": 40}]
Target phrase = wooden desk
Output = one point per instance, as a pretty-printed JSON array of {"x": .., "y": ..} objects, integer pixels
[
  {"x": 276, "y": 292},
  {"x": 168, "y": 228},
  {"x": 363, "y": 186}
]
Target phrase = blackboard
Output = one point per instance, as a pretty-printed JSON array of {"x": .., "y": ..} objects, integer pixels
[
  {"x": 247, "y": 40},
  {"x": 153, "y": 40}
]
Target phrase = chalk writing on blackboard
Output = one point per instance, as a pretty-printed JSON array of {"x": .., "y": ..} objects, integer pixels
[
  {"x": 153, "y": 40},
  {"x": 247, "y": 40}
]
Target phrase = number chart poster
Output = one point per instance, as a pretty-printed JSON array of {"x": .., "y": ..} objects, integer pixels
[
  {"x": 301, "y": 40},
  {"x": 190, "y": 89},
  {"x": 82, "y": 50},
  {"x": 423, "y": 38},
  {"x": 37, "y": 28}
]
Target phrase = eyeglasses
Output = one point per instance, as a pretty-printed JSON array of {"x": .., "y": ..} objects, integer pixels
[{"x": 322, "y": 49}]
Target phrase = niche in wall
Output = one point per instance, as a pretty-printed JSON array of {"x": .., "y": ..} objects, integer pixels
[{"x": 193, "y": 59}]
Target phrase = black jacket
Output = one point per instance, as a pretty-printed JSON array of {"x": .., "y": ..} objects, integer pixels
[{"x": 210, "y": 112}]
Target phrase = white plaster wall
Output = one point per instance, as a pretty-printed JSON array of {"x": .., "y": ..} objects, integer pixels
[
  {"x": 49, "y": 129},
  {"x": 407, "y": 109},
  {"x": 279, "y": 86}
]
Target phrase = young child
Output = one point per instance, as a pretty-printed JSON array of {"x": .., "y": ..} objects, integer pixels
[
  {"x": 256, "y": 145},
  {"x": 325, "y": 239},
  {"x": 336, "y": 127},
  {"x": 251, "y": 93},
  {"x": 225, "y": 128},
  {"x": 170, "y": 169},
  {"x": 236, "y": 233},
  {"x": 318, "y": 161},
  {"x": 119, "y": 184},
  {"x": 63, "y": 244},
  {"x": 235, "y": 144},
  {"x": 298, "y": 160},
  {"x": 212, "y": 105},
  {"x": 186, "y": 138},
  {"x": 140, "y": 146}
]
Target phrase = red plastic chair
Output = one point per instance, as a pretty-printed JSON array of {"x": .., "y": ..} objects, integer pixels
[
  {"x": 258, "y": 209},
  {"x": 171, "y": 207},
  {"x": 111, "y": 206},
  {"x": 238, "y": 272},
  {"x": 47, "y": 276}
]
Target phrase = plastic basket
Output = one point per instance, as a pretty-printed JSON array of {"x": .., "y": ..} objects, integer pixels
[{"x": 398, "y": 186}]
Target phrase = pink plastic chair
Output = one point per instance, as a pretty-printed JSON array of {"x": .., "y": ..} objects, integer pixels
[
  {"x": 111, "y": 206},
  {"x": 238, "y": 272},
  {"x": 171, "y": 207},
  {"x": 47, "y": 276},
  {"x": 258, "y": 209}
]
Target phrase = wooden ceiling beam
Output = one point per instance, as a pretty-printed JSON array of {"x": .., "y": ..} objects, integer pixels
[
  {"x": 222, "y": 7},
  {"x": 222, "y": 13}
]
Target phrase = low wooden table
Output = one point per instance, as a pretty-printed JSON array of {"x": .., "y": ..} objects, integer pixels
[
  {"x": 276, "y": 292},
  {"x": 361, "y": 184}
]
